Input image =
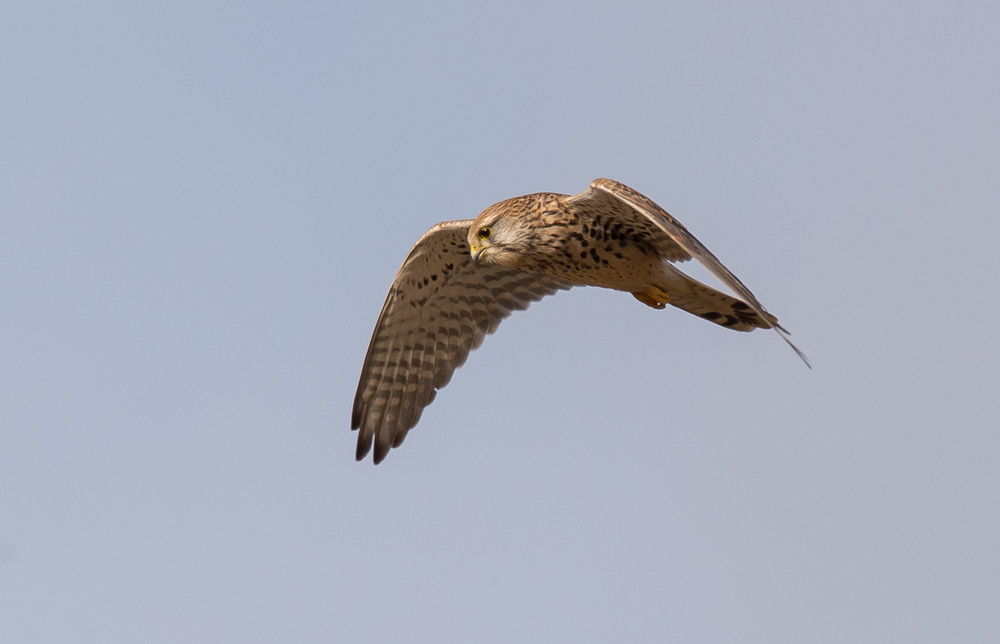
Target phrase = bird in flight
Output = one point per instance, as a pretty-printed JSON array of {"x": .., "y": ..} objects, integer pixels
[{"x": 462, "y": 278}]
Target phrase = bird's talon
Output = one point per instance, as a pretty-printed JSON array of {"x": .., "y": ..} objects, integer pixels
[{"x": 654, "y": 297}]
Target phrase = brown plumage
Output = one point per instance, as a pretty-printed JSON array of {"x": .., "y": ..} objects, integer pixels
[{"x": 462, "y": 278}]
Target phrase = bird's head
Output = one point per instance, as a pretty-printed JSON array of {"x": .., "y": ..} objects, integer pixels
[{"x": 499, "y": 235}]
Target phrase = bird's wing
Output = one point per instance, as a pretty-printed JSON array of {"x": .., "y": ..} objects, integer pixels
[
  {"x": 440, "y": 307},
  {"x": 642, "y": 210}
]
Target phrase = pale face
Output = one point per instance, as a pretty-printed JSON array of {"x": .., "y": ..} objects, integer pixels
[
  {"x": 481, "y": 238},
  {"x": 494, "y": 238},
  {"x": 504, "y": 233}
]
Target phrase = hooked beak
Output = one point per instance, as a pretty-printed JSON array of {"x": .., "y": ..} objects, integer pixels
[{"x": 477, "y": 252}]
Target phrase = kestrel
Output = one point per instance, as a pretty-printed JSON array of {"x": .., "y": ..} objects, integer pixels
[{"x": 462, "y": 278}]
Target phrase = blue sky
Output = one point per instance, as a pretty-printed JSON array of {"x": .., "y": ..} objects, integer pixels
[{"x": 204, "y": 204}]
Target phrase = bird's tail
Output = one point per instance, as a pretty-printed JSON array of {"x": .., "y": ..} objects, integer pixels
[{"x": 714, "y": 306}]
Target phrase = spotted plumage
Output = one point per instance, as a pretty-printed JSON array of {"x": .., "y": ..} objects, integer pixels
[{"x": 462, "y": 278}]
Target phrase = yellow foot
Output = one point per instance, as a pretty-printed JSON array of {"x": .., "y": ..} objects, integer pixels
[{"x": 654, "y": 297}]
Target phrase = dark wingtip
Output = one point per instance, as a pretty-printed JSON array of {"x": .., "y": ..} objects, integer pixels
[
  {"x": 784, "y": 336},
  {"x": 364, "y": 446},
  {"x": 381, "y": 451}
]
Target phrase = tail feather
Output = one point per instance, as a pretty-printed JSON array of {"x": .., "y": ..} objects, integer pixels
[{"x": 714, "y": 306}]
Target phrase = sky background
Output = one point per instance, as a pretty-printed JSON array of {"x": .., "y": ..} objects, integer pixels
[{"x": 203, "y": 204}]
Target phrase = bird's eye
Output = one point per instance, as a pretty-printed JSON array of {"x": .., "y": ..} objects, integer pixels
[{"x": 484, "y": 233}]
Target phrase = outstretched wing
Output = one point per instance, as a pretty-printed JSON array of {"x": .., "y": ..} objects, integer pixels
[
  {"x": 645, "y": 211},
  {"x": 440, "y": 307}
]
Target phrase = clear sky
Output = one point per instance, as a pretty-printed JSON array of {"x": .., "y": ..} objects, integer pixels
[{"x": 202, "y": 206}]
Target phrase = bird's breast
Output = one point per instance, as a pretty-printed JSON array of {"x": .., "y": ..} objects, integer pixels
[{"x": 589, "y": 251}]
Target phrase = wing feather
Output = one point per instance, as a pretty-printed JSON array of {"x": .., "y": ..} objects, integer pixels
[
  {"x": 644, "y": 209},
  {"x": 440, "y": 307}
]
